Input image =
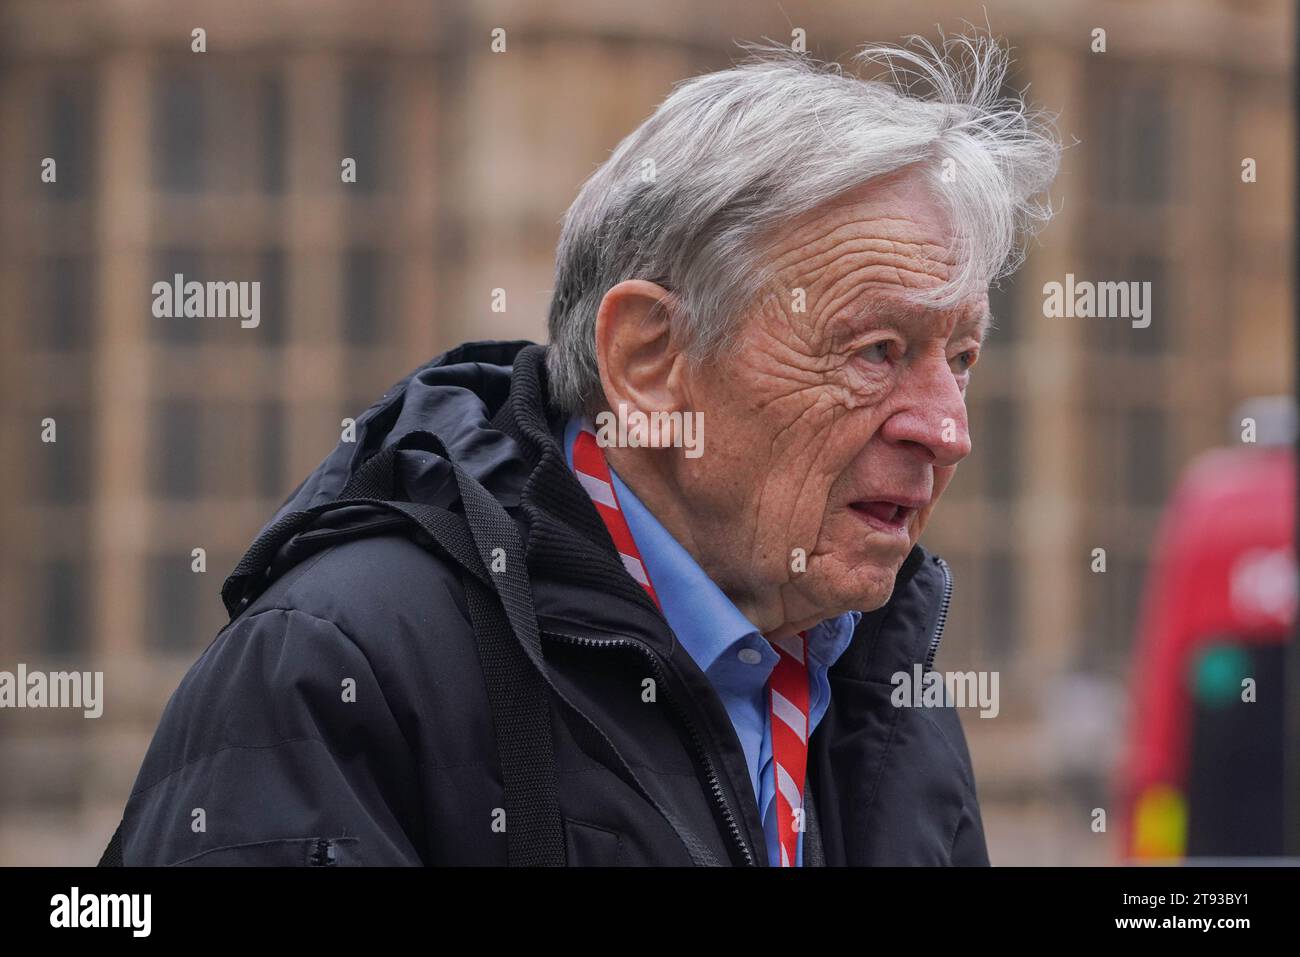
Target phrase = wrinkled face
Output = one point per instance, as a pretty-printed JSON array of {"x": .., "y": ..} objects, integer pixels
[{"x": 839, "y": 420}]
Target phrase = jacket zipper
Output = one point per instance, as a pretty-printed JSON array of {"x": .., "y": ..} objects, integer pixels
[
  {"x": 943, "y": 614},
  {"x": 715, "y": 782},
  {"x": 322, "y": 854}
]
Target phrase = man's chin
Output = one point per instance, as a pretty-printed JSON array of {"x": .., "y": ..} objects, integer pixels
[{"x": 869, "y": 589}]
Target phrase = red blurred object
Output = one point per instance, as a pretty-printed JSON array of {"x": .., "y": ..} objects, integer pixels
[{"x": 1219, "y": 607}]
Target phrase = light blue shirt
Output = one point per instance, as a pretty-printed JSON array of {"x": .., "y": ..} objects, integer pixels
[{"x": 729, "y": 650}]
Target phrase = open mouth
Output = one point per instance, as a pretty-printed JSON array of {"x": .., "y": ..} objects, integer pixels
[{"x": 883, "y": 514}]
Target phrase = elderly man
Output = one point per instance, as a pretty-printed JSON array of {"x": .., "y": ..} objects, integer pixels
[{"x": 509, "y": 623}]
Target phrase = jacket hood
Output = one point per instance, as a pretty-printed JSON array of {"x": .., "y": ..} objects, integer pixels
[{"x": 455, "y": 396}]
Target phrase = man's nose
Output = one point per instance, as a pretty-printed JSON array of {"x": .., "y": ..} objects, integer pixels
[{"x": 932, "y": 416}]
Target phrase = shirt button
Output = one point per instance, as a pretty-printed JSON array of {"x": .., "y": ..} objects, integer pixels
[{"x": 749, "y": 656}]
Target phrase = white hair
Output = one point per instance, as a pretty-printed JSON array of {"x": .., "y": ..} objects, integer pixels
[{"x": 689, "y": 198}]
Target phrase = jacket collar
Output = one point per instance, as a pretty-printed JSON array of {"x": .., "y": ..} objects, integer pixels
[{"x": 566, "y": 542}]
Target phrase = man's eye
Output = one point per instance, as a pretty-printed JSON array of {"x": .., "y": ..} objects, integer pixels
[
  {"x": 876, "y": 352},
  {"x": 963, "y": 361}
]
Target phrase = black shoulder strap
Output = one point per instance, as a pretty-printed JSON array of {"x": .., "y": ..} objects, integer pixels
[
  {"x": 487, "y": 546},
  {"x": 520, "y": 714}
]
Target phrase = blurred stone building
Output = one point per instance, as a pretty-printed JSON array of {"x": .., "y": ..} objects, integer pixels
[{"x": 174, "y": 435}]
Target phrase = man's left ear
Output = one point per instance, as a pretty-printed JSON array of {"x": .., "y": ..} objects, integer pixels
[{"x": 640, "y": 359}]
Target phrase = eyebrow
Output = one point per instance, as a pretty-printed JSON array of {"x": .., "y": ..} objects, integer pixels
[{"x": 898, "y": 314}]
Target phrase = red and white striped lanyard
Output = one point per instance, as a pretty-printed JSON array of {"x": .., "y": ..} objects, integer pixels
[{"x": 788, "y": 692}]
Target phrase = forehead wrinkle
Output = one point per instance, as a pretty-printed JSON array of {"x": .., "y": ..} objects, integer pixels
[
  {"x": 881, "y": 281},
  {"x": 888, "y": 261},
  {"x": 835, "y": 253},
  {"x": 894, "y": 261},
  {"x": 873, "y": 290},
  {"x": 874, "y": 231}
]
